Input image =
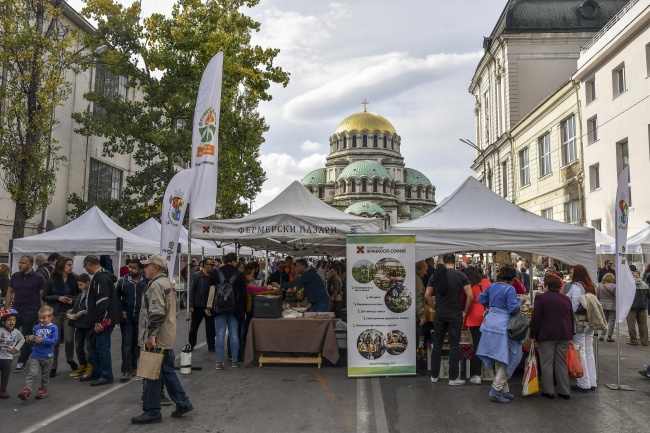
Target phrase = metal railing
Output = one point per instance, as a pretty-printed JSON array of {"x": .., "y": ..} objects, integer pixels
[{"x": 609, "y": 25}]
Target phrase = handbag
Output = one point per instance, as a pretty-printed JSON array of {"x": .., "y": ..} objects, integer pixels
[
  {"x": 149, "y": 363},
  {"x": 518, "y": 326},
  {"x": 573, "y": 363},
  {"x": 531, "y": 381}
]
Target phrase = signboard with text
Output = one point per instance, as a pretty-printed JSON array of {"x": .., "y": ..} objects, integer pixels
[{"x": 381, "y": 305}]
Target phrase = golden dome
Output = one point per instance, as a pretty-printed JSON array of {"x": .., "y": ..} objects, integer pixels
[{"x": 365, "y": 121}]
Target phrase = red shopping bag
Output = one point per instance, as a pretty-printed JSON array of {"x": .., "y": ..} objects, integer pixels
[
  {"x": 531, "y": 382},
  {"x": 573, "y": 363}
]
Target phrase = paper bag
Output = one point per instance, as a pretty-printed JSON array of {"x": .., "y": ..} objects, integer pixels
[
  {"x": 149, "y": 364},
  {"x": 210, "y": 303}
]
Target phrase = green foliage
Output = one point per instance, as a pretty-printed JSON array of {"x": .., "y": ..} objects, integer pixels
[
  {"x": 164, "y": 58},
  {"x": 34, "y": 55}
]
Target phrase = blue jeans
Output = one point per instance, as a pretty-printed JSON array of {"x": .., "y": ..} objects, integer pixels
[
  {"x": 221, "y": 322},
  {"x": 102, "y": 364},
  {"x": 27, "y": 320},
  {"x": 130, "y": 347},
  {"x": 152, "y": 388}
]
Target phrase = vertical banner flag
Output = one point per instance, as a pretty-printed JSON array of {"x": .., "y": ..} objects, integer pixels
[
  {"x": 625, "y": 285},
  {"x": 381, "y": 303},
  {"x": 177, "y": 196},
  {"x": 205, "y": 140}
]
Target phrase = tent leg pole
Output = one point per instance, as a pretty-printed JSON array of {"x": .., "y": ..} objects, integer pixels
[{"x": 119, "y": 263}]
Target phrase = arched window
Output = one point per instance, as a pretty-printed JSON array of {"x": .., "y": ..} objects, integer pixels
[
  {"x": 374, "y": 141},
  {"x": 391, "y": 144},
  {"x": 419, "y": 192},
  {"x": 354, "y": 141},
  {"x": 354, "y": 186},
  {"x": 375, "y": 185},
  {"x": 408, "y": 192},
  {"x": 384, "y": 142},
  {"x": 365, "y": 141},
  {"x": 426, "y": 194},
  {"x": 345, "y": 142},
  {"x": 338, "y": 144},
  {"x": 385, "y": 187},
  {"x": 321, "y": 192},
  {"x": 344, "y": 187},
  {"x": 364, "y": 185}
]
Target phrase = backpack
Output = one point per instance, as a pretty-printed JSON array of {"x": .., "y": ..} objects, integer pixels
[{"x": 224, "y": 297}]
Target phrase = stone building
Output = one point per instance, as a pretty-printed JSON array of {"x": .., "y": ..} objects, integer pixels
[{"x": 365, "y": 173}]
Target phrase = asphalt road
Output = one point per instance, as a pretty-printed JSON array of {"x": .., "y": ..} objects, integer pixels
[{"x": 293, "y": 398}]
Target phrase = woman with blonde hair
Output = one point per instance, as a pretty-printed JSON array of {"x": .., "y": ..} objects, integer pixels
[{"x": 606, "y": 293}]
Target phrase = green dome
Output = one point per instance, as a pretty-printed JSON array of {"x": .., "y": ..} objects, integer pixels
[
  {"x": 367, "y": 207},
  {"x": 416, "y": 213},
  {"x": 316, "y": 177},
  {"x": 364, "y": 168},
  {"x": 414, "y": 177}
]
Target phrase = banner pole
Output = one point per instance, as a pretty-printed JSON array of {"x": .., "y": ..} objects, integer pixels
[{"x": 188, "y": 278}]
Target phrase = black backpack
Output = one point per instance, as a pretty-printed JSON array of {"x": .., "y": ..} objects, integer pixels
[{"x": 224, "y": 297}]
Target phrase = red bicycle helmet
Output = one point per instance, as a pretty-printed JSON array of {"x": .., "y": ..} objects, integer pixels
[{"x": 7, "y": 313}]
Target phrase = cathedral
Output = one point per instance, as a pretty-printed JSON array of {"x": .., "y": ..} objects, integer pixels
[{"x": 365, "y": 173}]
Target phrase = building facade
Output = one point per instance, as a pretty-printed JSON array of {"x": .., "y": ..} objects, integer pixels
[
  {"x": 365, "y": 174},
  {"x": 85, "y": 172},
  {"x": 532, "y": 50},
  {"x": 614, "y": 76}
]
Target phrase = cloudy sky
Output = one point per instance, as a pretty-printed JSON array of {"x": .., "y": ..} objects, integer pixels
[{"x": 412, "y": 60}]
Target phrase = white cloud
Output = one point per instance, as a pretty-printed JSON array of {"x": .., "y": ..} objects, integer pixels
[{"x": 310, "y": 146}]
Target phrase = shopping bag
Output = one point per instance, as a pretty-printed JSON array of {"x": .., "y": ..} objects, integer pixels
[
  {"x": 573, "y": 363},
  {"x": 149, "y": 363},
  {"x": 531, "y": 382}
]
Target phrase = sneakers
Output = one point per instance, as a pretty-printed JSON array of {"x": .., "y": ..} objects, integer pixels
[
  {"x": 126, "y": 376},
  {"x": 645, "y": 374},
  {"x": 434, "y": 379},
  {"x": 4, "y": 395},
  {"x": 497, "y": 397},
  {"x": 165, "y": 401},
  {"x": 88, "y": 372},
  {"x": 475, "y": 380},
  {"x": 508, "y": 395},
  {"x": 79, "y": 371},
  {"x": 24, "y": 395},
  {"x": 457, "y": 382},
  {"x": 235, "y": 364},
  {"x": 219, "y": 366},
  {"x": 20, "y": 367},
  {"x": 41, "y": 394},
  {"x": 182, "y": 410}
]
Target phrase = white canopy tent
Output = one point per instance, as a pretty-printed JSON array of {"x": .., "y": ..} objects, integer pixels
[
  {"x": 92, "y": 233},
  {"x": 473, "y": 218},
  {"x": 605, "y": 244},
  {"x": 639, "y": 243},
  {"x": 294, "y": 222},
  {"x": 151, "y": 230}
]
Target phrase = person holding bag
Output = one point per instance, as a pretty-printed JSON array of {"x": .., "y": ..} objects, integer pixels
[{"x": 551, "y": 326}]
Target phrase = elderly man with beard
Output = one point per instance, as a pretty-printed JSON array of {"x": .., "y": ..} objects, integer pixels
[{"x": 158, "y": 332}]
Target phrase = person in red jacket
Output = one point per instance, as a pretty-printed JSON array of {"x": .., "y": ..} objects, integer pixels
[{"x": 474, "y": 320}]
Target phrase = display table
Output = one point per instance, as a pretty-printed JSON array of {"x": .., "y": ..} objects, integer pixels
[{"x": 291, "y": 336}]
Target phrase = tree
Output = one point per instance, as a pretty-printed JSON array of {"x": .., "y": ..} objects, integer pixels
[
  {"x": 34, "y": 55},
  {"x": 165, "y": 58}
]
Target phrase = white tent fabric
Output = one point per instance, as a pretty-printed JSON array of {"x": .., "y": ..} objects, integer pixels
[
  {"x": 473, "y": 218},
  {"x": 151, "y": 230},
  {"x": 605, "y": 244},
  {"x": 295, "y": 221},
  {"x": 639, "y": 243},
  {"x": 93, "y": 232}
]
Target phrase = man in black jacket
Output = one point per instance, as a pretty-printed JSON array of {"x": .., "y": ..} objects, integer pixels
[
  {"x": 129, "y": 290},
  {"x": 105, "y": 310},
  {"x": 199, "y": 290}
]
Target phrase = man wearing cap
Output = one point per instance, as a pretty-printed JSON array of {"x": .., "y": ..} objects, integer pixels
[
  {"x": 606, "y": 270},
  {"x": 158, "y": 332}
]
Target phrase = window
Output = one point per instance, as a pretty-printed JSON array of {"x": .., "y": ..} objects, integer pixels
[
  {"x": 321, "y": 192},
  {"x": 344, "y": 187},
  {"x": 524, "y": 167},
  {"x": 647, "y": 60},
  {"x": 504, "y": 178},
  {"x": 385, "y": 144},
  {"x": 548, "y": 213},
  {"x": 592, "y": 129},
  {"x": 597, "y": 224},
  {"x": 569, "y": 142},
  {"x": 408, "y": 192},
  {"x": 365, "y": 141},
  {"x": 419, "y": 193},
  {"x": 353, "y": 185},
  {"x": 375, "y": 142},
  {"x": 104, "y": 181},
  {"x": 354, "y": 141},
  {"x": 544, "y": 144},
  {"x": 364, "y": 185},
  {"x": 345, "y": 142},
  {"x": 618, "y": 80},
  {"x": 572, "y": 212},
  {"x": 109, "y": 85},
  {"x": 391, "y": 144},
  {"x": 375, "y": 185},
  {"x": 594, "y": 177},
  {"x": 590, "y": 90}
]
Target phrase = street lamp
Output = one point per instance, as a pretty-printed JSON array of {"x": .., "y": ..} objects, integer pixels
[
  {"x": 469, "y": 143},
  {"x": 96, "y": 52}
]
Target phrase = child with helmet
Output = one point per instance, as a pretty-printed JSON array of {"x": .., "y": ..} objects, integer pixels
[{"x": 11, "y": 340}]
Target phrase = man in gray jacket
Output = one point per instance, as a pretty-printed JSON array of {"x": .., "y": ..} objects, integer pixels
[{"x": 158, "y": 333}]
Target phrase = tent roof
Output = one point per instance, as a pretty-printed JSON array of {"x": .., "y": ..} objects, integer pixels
[
  {"x": 639, "y": 242},
  {"x": 293, "y": 221},
  {"x": 92, "y": 232},
  {"x": 474, "y": 218}
]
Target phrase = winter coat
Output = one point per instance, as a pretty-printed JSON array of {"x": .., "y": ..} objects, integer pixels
[
  {"x": 130, "y": 294},
  {"x": 55, "y": 287},
  {"x": 158, "y": 312},
  {"x": 103, "y": 302},
  {"x": 606, "y": 293}
]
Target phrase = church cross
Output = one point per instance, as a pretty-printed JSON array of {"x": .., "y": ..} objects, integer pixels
[{"x": 364, "y": 103}]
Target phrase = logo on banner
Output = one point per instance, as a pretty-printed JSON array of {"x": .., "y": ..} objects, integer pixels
[
  {"x": 361, "y": 250},
  {"x": 207, "y": 127},
  {"x": 622, "y": 214},
  {"x": 176, "y": 206}
]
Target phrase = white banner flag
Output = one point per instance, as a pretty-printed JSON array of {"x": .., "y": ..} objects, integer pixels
[
  {"x": 177, "y": 196},
  {"x": 625, "y": 285},
  {"x": 205, "y": 140}
]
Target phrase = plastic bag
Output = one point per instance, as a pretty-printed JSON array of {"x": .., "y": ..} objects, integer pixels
[
  {"x": 518, "y": 326},
  {"x": 531, "y": 381},
  {"x": 573, "y": 363}
]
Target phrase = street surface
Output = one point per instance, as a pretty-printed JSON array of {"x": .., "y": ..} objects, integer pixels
[{"x": 294, "y": 398}]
